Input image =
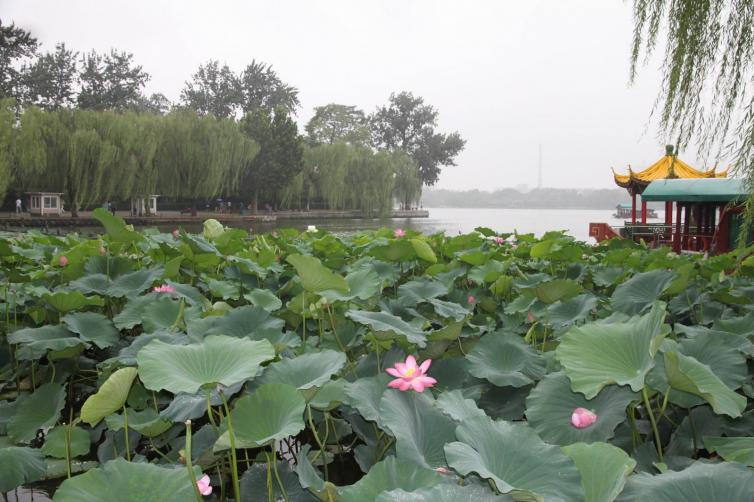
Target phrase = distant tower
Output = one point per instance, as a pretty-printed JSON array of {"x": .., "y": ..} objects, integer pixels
[{"x": 539, "y": 178}]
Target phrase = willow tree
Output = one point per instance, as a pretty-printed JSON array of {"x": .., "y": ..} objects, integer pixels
[
  {"x": 708, "y": 73},
  {"x": 7, "y": 140},
  {"x": 371, "y": 179},
  {"x": 201, "y": 157},
  {"x": 408, "y": 181}
]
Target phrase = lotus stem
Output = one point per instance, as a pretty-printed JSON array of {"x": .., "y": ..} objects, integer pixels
[
  {"x": 209, "y": 412},
  {"x": 275, "y": 470},
  {"x": 303, "y": 318},
  {"x": 317, "y": 440},
  {"x": 125, "y": 430},
  {"x": 67, "y": 450},
  {"x": 234, "y": 460},
  {"x": 652, "y": 421},
  {"x": 187, "y": 455},
  {"x": 335, "y": 334}
]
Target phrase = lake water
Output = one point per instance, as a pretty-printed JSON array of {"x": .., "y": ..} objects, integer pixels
[
  {"x": 448, "y": 220},
  {"x": 455, "y": 220}
]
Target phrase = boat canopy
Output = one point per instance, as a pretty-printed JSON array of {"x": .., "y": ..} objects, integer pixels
[
  {"x": 668, "y": 167},
  {"x": 697, "y": 190}
]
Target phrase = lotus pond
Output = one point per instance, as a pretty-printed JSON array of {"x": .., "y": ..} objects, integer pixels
[{"x": 378, "y": 366}]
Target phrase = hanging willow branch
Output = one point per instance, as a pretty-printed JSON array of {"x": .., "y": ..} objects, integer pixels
[{"x": 708, "y": 73}]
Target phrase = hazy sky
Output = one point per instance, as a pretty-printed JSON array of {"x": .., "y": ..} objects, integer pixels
[{"x": 507, "y": 75}]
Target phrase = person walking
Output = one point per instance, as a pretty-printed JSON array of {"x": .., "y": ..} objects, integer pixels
[{"x": 19, "y": 209}]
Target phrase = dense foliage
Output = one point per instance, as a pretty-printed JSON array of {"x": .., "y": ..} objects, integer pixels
[{"x": 254, "y": 367}]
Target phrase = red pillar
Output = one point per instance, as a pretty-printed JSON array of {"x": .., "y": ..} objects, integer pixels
[
  {"x": 669, "y": 212},
  {"x": 633, "y": 208},
  {"x": 677, "y": 236},
  {"x": 643, "y": 212}
]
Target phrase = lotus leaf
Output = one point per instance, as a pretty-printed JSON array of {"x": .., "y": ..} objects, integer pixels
[
  {"x": 505, "y": 360},
  {"x": 110, "y": 397},
  {"x": 604, "y": 469},
  {"x": 39, "y": 411}
]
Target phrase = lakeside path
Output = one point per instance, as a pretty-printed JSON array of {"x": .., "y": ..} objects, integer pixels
[{"x": 10, "y": 220}]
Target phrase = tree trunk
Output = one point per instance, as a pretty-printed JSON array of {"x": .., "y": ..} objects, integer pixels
[{"x": 255, "y": 202}]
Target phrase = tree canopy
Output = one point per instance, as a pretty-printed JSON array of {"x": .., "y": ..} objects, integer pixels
[
  {"x": 16, "y": 46},
  {"x": 708, "y": 72},
  {"x": 111, "y": 81},
  {"x": 333, "y": 123},
  {"x": 409, "y": 124}
]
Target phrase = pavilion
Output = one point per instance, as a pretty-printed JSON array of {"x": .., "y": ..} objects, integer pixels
[{"x": 668, "y": 167}]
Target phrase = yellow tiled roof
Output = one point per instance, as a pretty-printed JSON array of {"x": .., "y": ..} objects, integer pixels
[{"x": 668, "y": 167}]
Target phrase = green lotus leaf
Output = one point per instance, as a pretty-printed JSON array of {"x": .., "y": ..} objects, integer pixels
[
  {"x": 564, "y": 313},
  {"x": 505, "y": 360},
  {"x": 551, "y": 403},
  {"x": 732, "y": 449},
  {"x": 92, "y": 283},
  {"x": 264, "y": 298},
  {"x": 444, "y": 493},
  {"x": 558, "y": 289},
  {"x": 68, "y": 301},
  {"x": 515, "y": 459},
  {"x": 224, "y": 289},
  {"x": 423, "y": 250},
  {"x": 718, "y": 351},
  {"x": 116, "y": 228},
  {"x": 192, "y": 406},
  {"x": 449, "y": 309},
  {"x": 110, "y": 266},
  {"x": 603, "y": 353},
  {"x": 19, "y": 466},
  {"x": 330, "y": 395},
  {"x": 80, "y": 442},
  {"x": 419, "y": 427},
  {"x": 132, "y": 313},
  {"x": 37, "y": 342},
  {"x": 242, "y": 322},
  {"x": 702, "y": 482},
  {"x": 186, "y": 368},
  {"x": 420, "y": 290},
  {"x": 254, "y": 484},
  {"x": 38, "y": 411},
  {"x": 134, "y": 283},
  {"x": 273, "y": 412},
  {"x": 689, "y": 375},
  {"x": 366, "y": 393},
  {"x": 604, "y": 469},
  {"x": 315, "y": 277},
  {"x": 386, "y": 322},
  {"x": 313, "y": 369},
  {"x": 92, "y": 327},
  {"x": 146, "y": 422},
  {"x": 162, "y": 313},
  {"x": 639, "y": 292},
  {"x": 122, "y": 481},
  {"x": 390, "y": 474},
  {"x": 457, "y": 407},
  {"x": 110, "y": 397}
]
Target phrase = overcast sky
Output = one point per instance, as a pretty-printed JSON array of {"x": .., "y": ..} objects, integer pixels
[{"x": 508, "y": 76}]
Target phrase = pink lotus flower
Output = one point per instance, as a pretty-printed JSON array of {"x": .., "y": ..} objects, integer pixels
[
  {"x": 165, "y": 288},
  {"x": 499, "y": 240},
  {"x": 582, "y": 418},
  {"x": 530, "y": 317},
  {"x": 399, "y": 232},
  {"x": 205, "y": 488},
  {"x": 63, "y": 261},
  {"x": 176, "y": 233},
  {"x": 471, "y": 300},
  {"x": 442, "y": 470},
  {"x": 411, "y": 376}
]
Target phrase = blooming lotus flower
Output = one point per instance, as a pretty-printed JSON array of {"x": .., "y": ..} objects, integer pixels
[
  {"x": 399, "y": 232},
  {"x": 409, "y": 375},
  {"x": 471, "y": 300},
  {"x": 205, "y": 488},
  {"x": 499, "y": 240},
  {"x": 164, "y": 288},
  {"x": 311, "y": 228},
  {"x": 582, "y": 418},
  {"x": 63, "y": 261}
]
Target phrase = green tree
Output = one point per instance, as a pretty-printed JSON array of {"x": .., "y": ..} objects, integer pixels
[
  {"x": 280, "y": 157},
  {"x": 16, "y": 46},
  {"x": 408, "y": 182},
  {"x": 214, "y": 90},
  {"x": 333, "y": 123},
  {"x": 111, "y": 81},
  {"x": 156, "y": 103},
  {"x": 7, "y": 140},
  {"x": 50, "y": 81},
  {"x": 707, "y": 90},
  {"x": 262, "y": 89},
  {"x": 409, "y": 124},
  {"x": 371, "y": 180}
]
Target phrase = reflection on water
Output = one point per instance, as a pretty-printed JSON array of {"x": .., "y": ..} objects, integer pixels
[{"x": 448, "y": 220}]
